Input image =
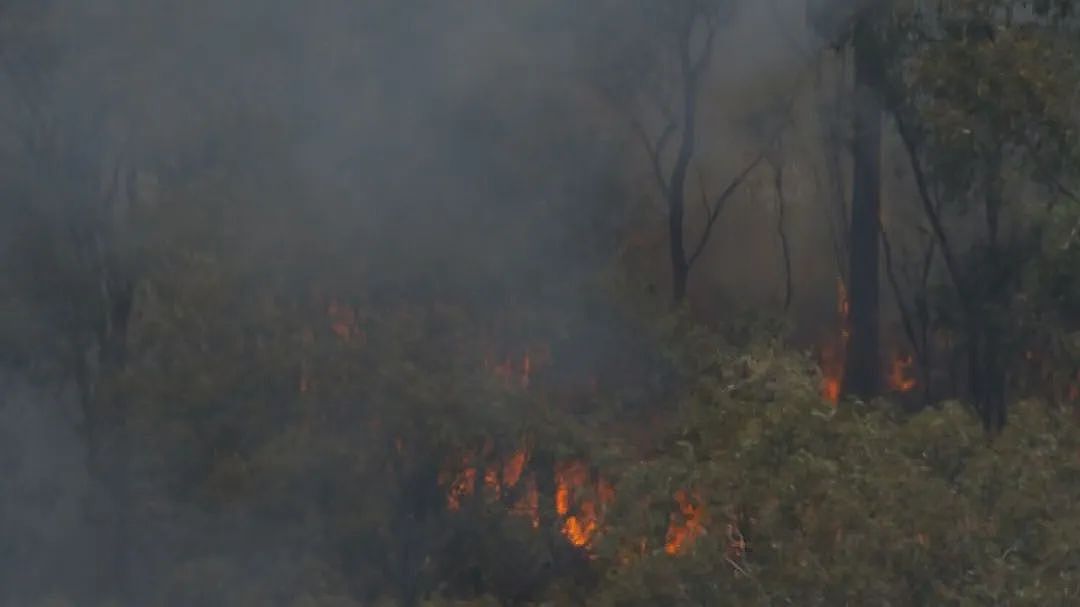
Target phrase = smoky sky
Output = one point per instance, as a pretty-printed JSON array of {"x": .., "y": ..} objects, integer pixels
[{"x": 443, "y": 139}]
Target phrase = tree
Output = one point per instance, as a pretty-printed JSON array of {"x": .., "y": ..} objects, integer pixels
[
  {"x": 857, "y": 26},
  {"x": 668, "y": 78},
  {"x": 72, "y": 198},
  {"x": 862, "y": 373},
  {"x": 978, "y": 101}
]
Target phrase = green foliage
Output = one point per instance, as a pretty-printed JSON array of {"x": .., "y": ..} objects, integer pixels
[{"x": 849, "y": 506}]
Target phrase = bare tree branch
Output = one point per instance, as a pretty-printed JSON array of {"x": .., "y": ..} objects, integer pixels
[
  {"x": 1061, "y": 188},
  {"x": 699, "y": 65},
  {"x": 898, "y": 293},
  {"x": 703, "y": 191},
  {"x": 655, "y": 151},
  {"x": 718, "y": 204},
  {"x": 929, "y": 209},
  {"x": 785, "y": 249}
]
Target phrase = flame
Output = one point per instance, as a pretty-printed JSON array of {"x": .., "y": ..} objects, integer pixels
[
  {"x": 580, "y": 520},
  {"x": 898, "y": 379},
  {"x": 568, "y": 477},
  {"x": 580, "y": 529},
  {"x": 832, "y": 370},
  {"x": 833, "y": 353},
  {"x": 580, "y": 510},
  {"x": 491, "y": 480},
  {"x": 528, "y": 505},
  {"x": 511, "y": 372},
  {"x": 580, "y": 524},
  {"x": 498, "y": 479},
  {"x": 343, "y": 321},
  {"x": 686, "y": 525},
  {"x": 514, "y": 466},
  {"x": 463, "y": 486}
]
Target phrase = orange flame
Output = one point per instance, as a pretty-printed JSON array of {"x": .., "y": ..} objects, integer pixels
[
  {"x": 463, "y": 486},
  {"x": 581, "y": 515},
  {"x": 832, "y": 371},
  {"x": 509, "y": 371},
  {"x": 491, "y": 480},
  {"x": 686, "y": 525},
  {"x": 898, "y": 379},
  {"x": 497, "y": 481},
  {"x": 581, "y": 526},
  {"x": 529, "y": 503},
  {"x": 833, "y": 354},
  {"x": 514, "y": 466},
  {"x": 569, "y": 476}
]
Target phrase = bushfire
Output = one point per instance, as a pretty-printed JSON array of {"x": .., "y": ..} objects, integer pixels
[
  {"x": 499, "y": 482},
  {"x": 581, "y": 495},
  {"x": 580, "y": 499}
]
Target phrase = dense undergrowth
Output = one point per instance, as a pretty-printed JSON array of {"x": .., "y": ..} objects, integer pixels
[{"x": 781, "y": 498}]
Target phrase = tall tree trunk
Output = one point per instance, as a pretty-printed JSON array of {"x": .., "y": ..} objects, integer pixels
[
  {"x": 680, "y": 266},
  {"x": 988, "y": 376},
  {"x": 863, "y": 373}
]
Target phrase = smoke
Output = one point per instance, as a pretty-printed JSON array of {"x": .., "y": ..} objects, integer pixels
[{"x": 422, "y": 149}]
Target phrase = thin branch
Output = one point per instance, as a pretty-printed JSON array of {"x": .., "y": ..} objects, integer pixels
[
  {"x": 929, "y": 209},
  {"x": 1061, "y": 189},
  {"x": 703, "y": 191},
  {"x": 720, "y": 201},
  {"x": 925, "y": 319},
  {"x": 656, "y": 151},
  {"x": 1072, "y": 236},
  {"x": 785, "y": 249},
  {"x": 699, "y": 66},
  {"x": 890, "y": 272}
]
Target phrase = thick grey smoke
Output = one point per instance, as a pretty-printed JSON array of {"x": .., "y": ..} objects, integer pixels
[{"x": 421, "y": 147}]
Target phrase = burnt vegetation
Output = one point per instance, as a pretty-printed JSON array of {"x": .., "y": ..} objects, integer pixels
[{"x": 614, "y": 303}]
